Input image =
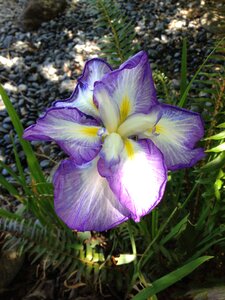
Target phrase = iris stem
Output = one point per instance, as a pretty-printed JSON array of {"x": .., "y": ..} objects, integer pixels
[
  {"x": 190, "y": 194},
  {"x": 146, "y": 255},
  {"x": 154, "y": 228},
  {"x": 134, "y": 251}
]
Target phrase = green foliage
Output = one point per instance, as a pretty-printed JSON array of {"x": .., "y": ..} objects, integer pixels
[
  {"x": 170, "y": 278},
  {"x": 186, "y": 91},
  {"x": 163, "y": 86},
  {"x": 183, "y": 83},
  {"x": 33, "y": 164},
  {"x": 117, "y": 43},
  {"x": 60, "y": 249}
]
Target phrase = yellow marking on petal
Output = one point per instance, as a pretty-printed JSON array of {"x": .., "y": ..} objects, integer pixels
[
  {"x": 149, "y": 130},
  {"x": 156, "y": 129},
  {"x": 159, "y": 129},
  {"x": 129, "y": 148},
  {"x": 125, "y": 108},
  {"x": 90, "y": 131}
]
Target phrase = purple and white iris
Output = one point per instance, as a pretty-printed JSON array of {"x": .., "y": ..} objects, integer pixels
[{"x": 120, "y": 140}]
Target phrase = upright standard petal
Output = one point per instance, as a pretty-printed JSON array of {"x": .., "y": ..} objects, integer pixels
[
  {"x": 139, "y": 179},
  {"x": 83, "y": 199},
  {"x": 132, "y": 86},
  {"x": 176, "y": 134},
  {"x": 82, "y": 97},
  {"x": 108, "y": 109},
  {"x": 75, "y": 134}
]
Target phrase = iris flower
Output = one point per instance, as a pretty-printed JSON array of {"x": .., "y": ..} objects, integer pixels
[{"x": 120, "y": 141}]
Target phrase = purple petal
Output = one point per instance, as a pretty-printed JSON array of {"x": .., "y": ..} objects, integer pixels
[
  {"x": 176, "y": 134},
  {"x": 131, "y": 86},
  {"x": 83, "y": 199},
  {"x": 139, "y": 179},
  {"x": 75, "y": 134},
  {"x": 82, "y": 97}
]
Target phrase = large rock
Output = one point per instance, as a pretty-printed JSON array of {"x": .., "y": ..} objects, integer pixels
[
  {"x": 212, "y": 293},
  {"x": 39, "y": 11}
]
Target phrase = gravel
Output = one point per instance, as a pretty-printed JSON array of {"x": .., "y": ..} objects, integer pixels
[{"x": 36, "y": 68}]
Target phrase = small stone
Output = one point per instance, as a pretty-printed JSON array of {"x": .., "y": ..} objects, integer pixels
[
  {"x": 7, "y": 138},
  {"x": 7, "y": 120},
  {"x": 176, "y": 83},
  {"x": 33, "y": 77},
  {"x": 23, "y": 111},
  {"x": 22, "y": 87},
  {"x": 7, "y": 41},
  {"x": 67, "y": 85},
  {"x": 3, "y": 130},
  {"x": 164, "y": 38},
  {"x": 6, "y": 126},
  {"x": 44, "y": 163},
  {"x": 4, "y": 172}
]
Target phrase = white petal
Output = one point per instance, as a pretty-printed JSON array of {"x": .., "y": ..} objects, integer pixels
[
  {"x": 140, "y": 177},
  {"x": 136, "y": 124},
  {"x": 83, "y": 199},
  {"x": 108, "y": 109},
  {"x": 112, "y": 148}
]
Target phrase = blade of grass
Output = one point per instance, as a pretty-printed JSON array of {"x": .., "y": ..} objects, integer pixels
[
  {"x": 171, "y": 278},
  {"x": 183, "y": 83},
  {"x": 11, "y": 172},
  {"x": 12, "y": 216},
  {"x": 8, "y": 186},
  {"x": 21, "y": 172},
  {"x": 175, "y": 230},
  {"x": 147, "y": 254},
  {"x": 185, "y": 94},
  {"x": 32, "y": 161}
]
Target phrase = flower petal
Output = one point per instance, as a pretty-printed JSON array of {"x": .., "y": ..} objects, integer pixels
[
  {"x": 83, "y": 199},
  {"x": 131, "y": 86},
  {"x": 136, "y": 124},
  {"x": 82, "y": 97},
  {"x": 75, "y": 134},
  {"x": 139, "y": 179},
  {"x": 108, "y": 109},
  {"x": 176, "y": 134},
  {"x": 111, "y": 149}
]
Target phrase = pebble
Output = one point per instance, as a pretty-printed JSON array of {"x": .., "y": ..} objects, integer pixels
[
  {"x": 22, "y": 87},
  {"x": 44, "y": 163}
]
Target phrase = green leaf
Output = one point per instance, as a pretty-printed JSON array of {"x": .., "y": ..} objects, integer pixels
[
  {"x": 183, "y": 84},
  {"x": 11, "y": 216},
  {"x": 185, "y": 94},
  {"x": 21, "y": 171},
  {"x": 11, "y": 172},
  {"x": 125, "y": 259},
  {"x": 216, "y": 163},
  {"x": 219, "y": 148},
  {"x": 218, "y": 136},
  {"x": 171, "y": 278},
  {"x": 222, "y": 125},
  {"x": 177, "y": 229},
  {"x": 8, "y": 186},
  {"x": 32, "y": 161}
]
